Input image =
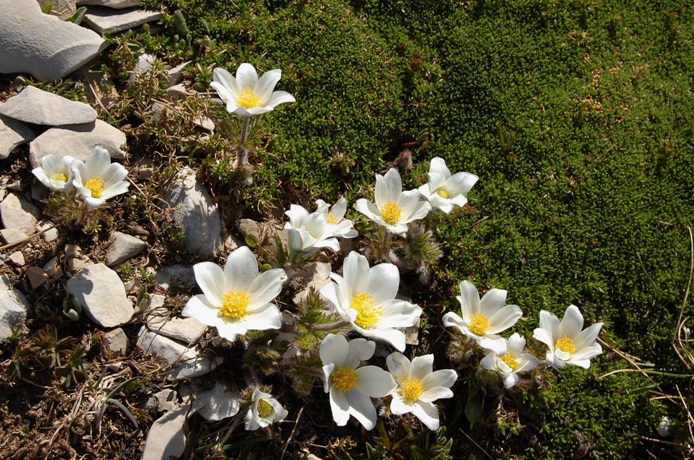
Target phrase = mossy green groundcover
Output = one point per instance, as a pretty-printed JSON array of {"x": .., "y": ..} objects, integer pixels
[{"x": 578, "y": 118}]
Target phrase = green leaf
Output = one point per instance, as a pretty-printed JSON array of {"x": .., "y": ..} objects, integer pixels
[
  {"x": 251, "y": 241},
  {"x": 78, "y": 16},
  {"x": 473, "y": 408}
]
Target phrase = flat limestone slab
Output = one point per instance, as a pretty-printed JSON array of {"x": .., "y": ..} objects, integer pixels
[
  {"x": 109, "y": 20},
  {"x": 34, "y": 105},
  {"x": 13, "y": 133}
]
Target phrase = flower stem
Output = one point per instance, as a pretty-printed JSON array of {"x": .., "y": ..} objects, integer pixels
[{"x": 329, "y": 326}]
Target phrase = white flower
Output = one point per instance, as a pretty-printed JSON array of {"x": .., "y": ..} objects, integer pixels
[
  {"x": 264, "y": 411},
  {"x": 97, "y": 179},
  {"x": 351, "y": 388},
  {"x": 308, "y": 231},
  {"x": 247, "y": 94},
  {"x": 512, "y": 362},
  {"x": 483, "y": 319},
  {"x": 418, "y": 387},
  {"x": 55, "y": 172},
  {"x": 394, "y": 209},
  {"x": 366, "y": 298},
  {"x": 335, "y": 217},
  {"x": 443, "y": 190},
  {"x": 567, "y": 341},
  {"x": 236, "y": 299}
]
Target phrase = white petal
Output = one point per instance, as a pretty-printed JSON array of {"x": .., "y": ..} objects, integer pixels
[
  {"x": 279, "y": 97},
  {"x": 399, "y": 313},
  {"x": 334, "y": 349},
  {"x": 361, "y": 408},
  {"x": 384, "y": 281},
  {"x": 504, "y": 319},
  {"x": 492, "y": 302},
  {"x": 339, "y": 407},
  {"x": 438, "y": 166},
  {"x": 241, "y": 269},
  {"x": 436, "y": 181},
  {"x": 393, "y": 185},
  {"x": 226, "y": 81},
  {"x": 544, "y": 336},
  {"x": 398, "y": 366},
  {"x": 441, "y": 378},
  {"x": 435, "y": 393},
  {"x": 572, "y": 323},
  {"x": 549, "y": 323},
  {"x": 451, "y": 319},
  {"x": 356, "y": 274},
  {"x": 422, "y": 366},
  {"x": 266, "y": 287},
  {"x": 374, "y": 381},
  {"x": 516, "y": 343},
  {"x": 199, "y": 308},
  {"x": 392, "y": 336},
  {"x": 587, "y": 337},
  {"x": 212, "y": 282},
  {"x": 266, "y": 84},
  {"x": 339, "y": 209},
  {"x": 496, "y": 344},
  {"x": 460, "y": 183},
  {"x": 246, "y": 76},
  {"x": 510, "y": 380},
  {"x": 489, "y": 362},
  {"x": 359, "y": 350},
  {"x": 269, "y": 318},
  {"x": 427, "y": 413}
]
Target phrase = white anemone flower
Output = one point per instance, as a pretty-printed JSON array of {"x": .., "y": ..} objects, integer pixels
[
  {"x": 307, "y": 231},
  {"x": 55, "y": 172},
  {"x": 236, "y": 299},
  {"x": 444, "y": 190},
  {"x": 335, "y": 217},
  {"x": 484, "y": 319},
  {"x": 568, "y": 342},
  {"x": 394, "y": 209},
  {"x": 512, "y": 362},
  {"x": 418, "y": 387},
  {"x": 247, "y": 94},
  {"x": 97, "y": 179},
  {"x": 365, "y": 297},
  {"x": 351, "y": 387},
  {"x": 264, "y": 411}
]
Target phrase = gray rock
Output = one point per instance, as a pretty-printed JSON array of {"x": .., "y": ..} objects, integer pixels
[
  {"x": 11, "y": 235},
  {"x": 116, "y": 4},
  {"x": 248, "y": 227},
  {"x": 17, "y": 258},
  {"x": 42, "y": 45},
  {"x": 61, "y": 8},
  {"x": 145, "y": 62},
  {"x": 51, "y": 233},
  {"x": 101, "y": 293},
  {"x": 18, "y": 214},
  {"x": 315, "y": 275},
  {"x": 115, "y": 341},
  {"x": 179, "y": 91},
  {"x": 36, "y": 276},
  {"x": 180, "y": 275},
  {"x": 13, "y": 133},
  {"x": 109, "y": 20},
  {"x": 75, "y": 258},
  {"x": 78, "y": 141},
  {"x": 186, "y": 330},
  {"x": 175, "y": 74},
  {"x": 13, "y": 308},
  {"x": 122, "y": 248},
  {"x": 162, "y": 401},
  {"x": 218, "y": 403},
  {"x": 197, "y": 214},
  {"x": 33, "y": 105},
  {"x": 166, "y": 437},
  {"x": 52, "y": 268},
  {"x": 186, "y": 361}
]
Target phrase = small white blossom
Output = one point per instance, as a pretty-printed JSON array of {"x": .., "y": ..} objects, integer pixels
[
  {"x": 419, "y": 386},
  {"x": 484, "y": 319},
  {"x": 351, "y": 387},
  {"x": 246, "y": 94},
  {"x": 444, "y": 190},
  {"x": 567, "y": 341},
  {"x": 394, "y": 209},
  {"x": 264, "y": 411},
  {"x": 97, "y": 179},
  {"x": 55, "y": 172},
  {"x": 365, "y": 297},
  {"x": 309, "y": 230},
  {"x": 512, "y": 362},
  {"x": 236, "y": 299},
  {"x": 335, "y": 217}
]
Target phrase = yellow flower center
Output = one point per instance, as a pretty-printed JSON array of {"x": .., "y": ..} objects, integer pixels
[
  {"x": 234, "y": 304},
  {"x": 510, "y": 361},
  {"x": 96, "y": 186},
  {"x": 566, "y": 345},
  {"x": 248, "y": 98},
  {"x": 345, "y": 378},
  {"x": 265, "y": 409},
  {"x": 391, "y": 213},
  {"x": 368, "y": 311},
  {"x": 442, "y": 193},
  {"x": 479, "y": 324},
  {"x": 331, "y": 219},
  {"x": 59, "y": 176},
  {"x": 411, "y": 390}
]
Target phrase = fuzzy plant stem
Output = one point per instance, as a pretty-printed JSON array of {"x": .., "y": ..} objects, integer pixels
[
  {"x": 242, "y": 152},
  {"x": 329, "y": 326}
]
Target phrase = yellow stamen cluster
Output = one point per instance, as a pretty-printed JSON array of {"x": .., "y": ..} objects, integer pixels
[
  {"x": 368, "y": 311},
  {"x": 96, "y": 186},
  {"x": 479, "y": 324},
  {"x": 331, "y": 219},
  {"x": 59, "y": 176},
  {"x": 411, "y": 390},
  {"x": 391, "y": 213},
  {"x": 566, "y": 345},
  {"x": 442, "y": 193},
  {"x": 345, "y": 378},
  {"x": 248, "y": 98},
  {"x": 234, "y": 304},
  {"x": 265, "y": 409},
  {"x": 510, "y": 361}
]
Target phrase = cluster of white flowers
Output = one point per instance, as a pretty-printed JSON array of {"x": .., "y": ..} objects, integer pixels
[
  {"x": 483, "y": 319},
  {"x": 95, "y": 180},
  {"x": 319, "y": 229}
]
